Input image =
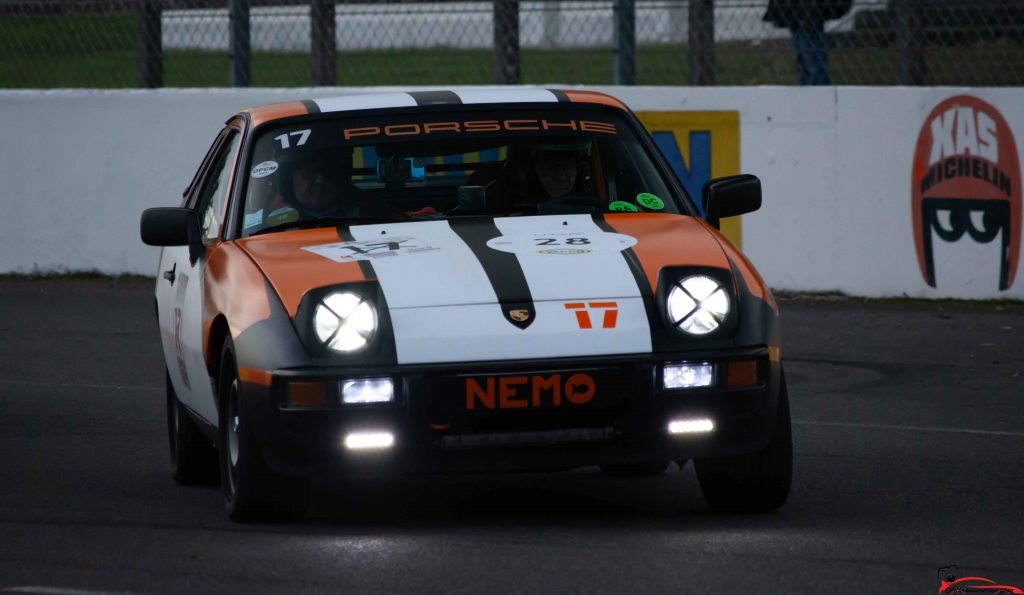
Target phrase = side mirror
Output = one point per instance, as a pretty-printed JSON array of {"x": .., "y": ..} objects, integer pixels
[
  {"x": 730, "y": 196},
  {"x": 172, "y": 226}
]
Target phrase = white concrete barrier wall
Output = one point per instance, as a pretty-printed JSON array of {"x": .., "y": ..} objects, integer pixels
[
  {"x": 577, "y": 24},
  {"x": 836, "y": 163}
]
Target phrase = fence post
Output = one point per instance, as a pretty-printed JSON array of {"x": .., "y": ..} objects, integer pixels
[
  {"x": 150, "y": 44},
  {"x": 624, "y": 72},
  {"x": 323, "y": 27},
  {"x": 701, "y": 40},
  {"x": 239, "y": 52},
  {"x": 506, "y": 42},
  {"x": 910, "y": 43}
]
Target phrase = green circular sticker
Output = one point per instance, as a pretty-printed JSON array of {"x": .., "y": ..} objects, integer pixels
[
  {"x": 621, "y": 205},
  {"x": 650, "y": 201}
]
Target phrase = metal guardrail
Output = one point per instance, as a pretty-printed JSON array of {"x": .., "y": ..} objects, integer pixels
[{"x": 154, "y": 43}]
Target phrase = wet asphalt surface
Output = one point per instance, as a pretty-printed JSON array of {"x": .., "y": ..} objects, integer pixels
[{"x": 908, "y": 432}]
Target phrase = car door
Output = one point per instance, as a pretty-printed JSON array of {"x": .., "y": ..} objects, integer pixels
[{"x": 180, "y": 282}]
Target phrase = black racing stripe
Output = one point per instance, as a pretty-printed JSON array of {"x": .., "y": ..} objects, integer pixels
[
  {"x": 560, "y": 95},
  {"x": 311, "y": 106},
  {"x": 364, "y": 265},
  {"x": 654, "y": 319},
  {"x": 436, "y": 97},
  {"x": 502, "y": 268},
  {"x": 634, "y": 263}
]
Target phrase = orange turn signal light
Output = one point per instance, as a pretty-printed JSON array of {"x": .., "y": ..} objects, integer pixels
[
  {"x": 741, "y": 373},
  {"x": 307, "y": 394}
]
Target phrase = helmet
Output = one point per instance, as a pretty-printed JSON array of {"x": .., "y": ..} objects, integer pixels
[
  {"x": 560, "y": 165},
  {"x": 310, "y": 181}
]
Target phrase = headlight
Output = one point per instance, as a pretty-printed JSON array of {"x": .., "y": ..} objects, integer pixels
[
  {"x": 345, "y": 322},
  {"x": 698, "y": 305}
]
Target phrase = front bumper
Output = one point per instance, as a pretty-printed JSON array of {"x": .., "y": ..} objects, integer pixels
[{"x": 525, "y": 415}]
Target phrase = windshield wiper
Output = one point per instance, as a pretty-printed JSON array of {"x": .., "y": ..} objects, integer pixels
[{"x": 326, "y": 222}]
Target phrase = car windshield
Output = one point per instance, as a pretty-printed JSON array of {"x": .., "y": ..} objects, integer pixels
[{"x": 410, "y": 166}]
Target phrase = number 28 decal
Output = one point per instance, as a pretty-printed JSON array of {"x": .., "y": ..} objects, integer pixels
[
  {"x": 562, "y": 242},
  {"x": 568, "y": 243}
]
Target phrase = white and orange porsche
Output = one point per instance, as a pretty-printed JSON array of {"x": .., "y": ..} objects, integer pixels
[{"x": 455, "y": 281}]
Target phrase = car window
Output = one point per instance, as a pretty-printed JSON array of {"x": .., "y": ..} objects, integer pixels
[
  {"x": 516, "y": 161},
  {"x": 212, "y": 195}
]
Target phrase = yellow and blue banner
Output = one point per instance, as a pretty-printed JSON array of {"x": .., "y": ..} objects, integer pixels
[{"x": 699, "y": 146}]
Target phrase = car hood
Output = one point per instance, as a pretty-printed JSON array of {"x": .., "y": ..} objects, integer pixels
[{"x": 488, "y": 260}]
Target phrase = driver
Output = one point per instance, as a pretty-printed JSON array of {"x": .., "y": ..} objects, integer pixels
[{"x": 317, "y": 184}]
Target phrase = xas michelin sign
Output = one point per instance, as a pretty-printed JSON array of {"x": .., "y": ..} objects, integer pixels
[{"x": 966, "y": 196}]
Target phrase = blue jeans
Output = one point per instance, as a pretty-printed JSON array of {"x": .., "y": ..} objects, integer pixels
[{"x": 811, "y": 56}]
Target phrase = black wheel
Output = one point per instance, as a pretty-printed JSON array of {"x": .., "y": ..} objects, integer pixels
[
  {"x": 251, "y": 490},
  {"x": 646, "y": 469},
  {"x": 755, "y": 482},
  {"x": 193, "y": 457}
]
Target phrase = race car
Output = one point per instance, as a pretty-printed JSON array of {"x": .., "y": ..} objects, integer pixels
[{"x": 486, "y": 280}]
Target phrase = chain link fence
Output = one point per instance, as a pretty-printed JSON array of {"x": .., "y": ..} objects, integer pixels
[{"x": 202, "y": 43}]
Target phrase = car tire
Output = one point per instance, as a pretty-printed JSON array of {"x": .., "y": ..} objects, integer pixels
[
  {"x": 252, "y": 491},
  {"x": 646, "y": 469},
  {"x": 193, "y": 457},
  {"x": 754, "y": 482}
]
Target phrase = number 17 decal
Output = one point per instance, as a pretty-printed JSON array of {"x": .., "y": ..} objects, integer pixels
[
  {"x": 302, "y": 134},
  {"x": 611, "y": 313}
]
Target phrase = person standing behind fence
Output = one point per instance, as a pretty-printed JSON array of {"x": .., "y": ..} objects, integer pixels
[{"x": 805, "y": 20}]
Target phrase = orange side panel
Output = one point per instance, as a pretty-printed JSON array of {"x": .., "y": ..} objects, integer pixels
[
  {"x": 755, "y": 284},
  {"x": 594, "y": 97},
  {"x": 254, "y": 376},
  {"x": 232, "y": 286},
  {"x": 668, "y": 240},
  {"x": 276, "y": 111},
  {"x": 294, "y": 271}
]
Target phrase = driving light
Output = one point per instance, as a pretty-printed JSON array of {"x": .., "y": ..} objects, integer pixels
[
  {"x": 369, "y": 440},
  {"x": 345, "y": 322},
  {"x": 367, "y": 390},
  {"x": 690, "y": 426},
  {"x": 698, "y": 305},
  {"x": 688, "y": 376}
]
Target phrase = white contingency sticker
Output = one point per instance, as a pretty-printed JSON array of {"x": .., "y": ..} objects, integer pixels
[
  {"x": 562, "y": 243},
  {"x": 383, "y": 247},
  {"x": 252, "y": 219},
  {"x": 264, "y": 169}
]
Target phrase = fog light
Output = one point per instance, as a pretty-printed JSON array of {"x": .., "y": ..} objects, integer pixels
[
  {"x": 369, "y": 440},
  {"x": 367, "y": 390},
  {"x": 690, "y": 426},
  {"x": 688, "y": 376}
]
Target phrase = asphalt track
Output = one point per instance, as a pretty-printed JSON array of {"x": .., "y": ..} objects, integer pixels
[{"x": 909, "y": 431}]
